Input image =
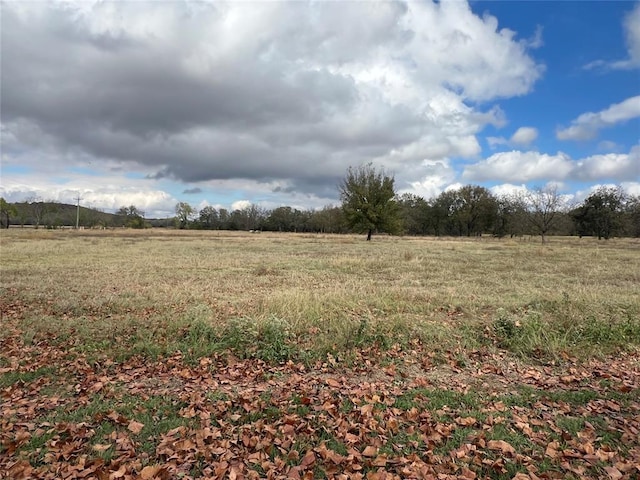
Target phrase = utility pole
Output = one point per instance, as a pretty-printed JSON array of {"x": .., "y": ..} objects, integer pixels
[{"x": 78, "y": 212}]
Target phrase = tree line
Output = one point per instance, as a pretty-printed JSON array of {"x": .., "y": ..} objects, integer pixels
[{"x": 370, "y": 205}]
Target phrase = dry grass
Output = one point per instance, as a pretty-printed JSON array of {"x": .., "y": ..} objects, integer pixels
[{"x": 151, "y": 292}]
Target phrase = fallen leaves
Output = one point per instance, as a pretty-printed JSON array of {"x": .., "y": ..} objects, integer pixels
[
  {"x": 135, "y": 427},
  {"x": 501, "y": 446},
  {"x": 245, "y": 419}
]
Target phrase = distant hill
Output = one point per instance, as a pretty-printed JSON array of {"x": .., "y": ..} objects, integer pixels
[{"x": 57, "y": 215}]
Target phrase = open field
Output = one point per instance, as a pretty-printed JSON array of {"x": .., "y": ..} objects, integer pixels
[{"x": 180, "y": 354}]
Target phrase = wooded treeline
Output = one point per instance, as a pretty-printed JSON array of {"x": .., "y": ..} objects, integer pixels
[{"x": 467, "y": 211}]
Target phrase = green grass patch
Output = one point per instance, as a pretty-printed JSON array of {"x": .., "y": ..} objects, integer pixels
[
  {"x": 549, "y": 329},
  {"x": 10, "y": 378},
  {"x": 434, "y": 399}
]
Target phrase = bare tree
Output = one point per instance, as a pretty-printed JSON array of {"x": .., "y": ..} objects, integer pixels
[
  {"x": 39, "y": 209},
  {"x": 542, "y": 206}
]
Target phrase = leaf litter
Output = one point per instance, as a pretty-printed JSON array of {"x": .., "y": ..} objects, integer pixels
[{"x": 387, "y": 415}]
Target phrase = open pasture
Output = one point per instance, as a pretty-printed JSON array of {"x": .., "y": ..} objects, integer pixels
[{"x": 188, "y": 354}]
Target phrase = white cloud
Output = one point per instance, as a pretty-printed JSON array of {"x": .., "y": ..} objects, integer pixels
[
  {"x": 536, "y": 40},
  {"x": 608, "y": 146},
  {"x": 496, "y": 141},
  {"x": 586, "y": 126},
  {"x": 435, "y": 176},
  {"x": 632, "y": 35},
  {"x": 518, "y": 166},
  {"x": 240, "y": 205},
  {"x": 631, "y": 27},
  {"x": 508, "y": 189},
  {"x": 154, "y": 203},
  {"x": 612, "y": 165},
  {"x": 632, "y": 188},
  {"x": 524, "y": 136}
]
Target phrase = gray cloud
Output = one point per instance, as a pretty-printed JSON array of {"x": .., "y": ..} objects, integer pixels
[{"x": 263, "y": 91}]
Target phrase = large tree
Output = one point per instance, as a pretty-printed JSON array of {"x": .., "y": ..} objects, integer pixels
[
  {"x": 602, "y": 213},
  {"x": 132, "y": 217},
  {"x": 511, "y": 219},
  {"x": 476, "y": 210},
  {"x": 250, "y": 217},
  {"x": 631, "y": 216},
  {"x": 6, "y": 212},
  {"x": 209, "y": 218},
  {"x": 414, "y": 212},
  {"x": 286, "y": 219},
  {"x": 328, "y": 220},
  {"x": 184, "y": 214},
  {"x": 368, "y": 201}
]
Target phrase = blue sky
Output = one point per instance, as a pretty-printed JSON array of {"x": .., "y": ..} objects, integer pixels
[
  {"x": 232, "y": 103},
  {"x": 574, "y": 35}
]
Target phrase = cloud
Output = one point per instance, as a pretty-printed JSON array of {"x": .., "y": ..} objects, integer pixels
[
  {"x": 536, "y": 40},
  {"x": 632, "y": 34},
  {"x": 240, "y": 205},
  {"x": 192, "y": 191},
  {"x": 615, "y": 166},
  {"x": 523, "y": 137},
  {"x": 586, "y": 126},
  {"x": 608, "y": 146},
  {"x": 494, "y": 142},
  {"x": 517, "y": 166},
  {"x": 155, "y": 203},
  {"x": 263, "y": 92},
  {"x": 632, "y": 188},
  {"x": 631, "y": 27},
  {"x": 436, "y": 176},
  {"x": 508, "y": 189}
]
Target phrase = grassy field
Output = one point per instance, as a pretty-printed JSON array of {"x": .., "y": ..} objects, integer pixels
[{"x": 180, "y": 354}]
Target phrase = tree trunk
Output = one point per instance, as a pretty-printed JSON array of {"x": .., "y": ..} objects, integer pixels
[{"x": 369, "y": 235}]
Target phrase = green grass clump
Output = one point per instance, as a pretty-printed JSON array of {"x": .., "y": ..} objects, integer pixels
[{"x": 551, "y": 329}]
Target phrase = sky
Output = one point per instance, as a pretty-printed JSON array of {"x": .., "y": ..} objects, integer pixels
[{"x": 151, "y": 103}]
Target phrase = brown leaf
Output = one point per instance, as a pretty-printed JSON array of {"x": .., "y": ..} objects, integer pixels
[
  {"x": 467, "y": 421},
  {"x": 149, "y": 472},
  {"x": 501, "y": 445},
  {"x": 613, "y": 473},
  {"x": 96, "y": 387},
  {"x": 552, "y": 450},
  {"x": 135, "y": 427},
  {"x": 100, "y": 447},
  {"x": 468, "y": 474},
  {"x": 366, "y": 409},
  {"x": 308, "y": 459},
  {"x": 116, "y": 417},
  {"x": 118, "y": 473},
  {"x": 294, "y": 473},
  {"x": 370, "y": 451}
]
